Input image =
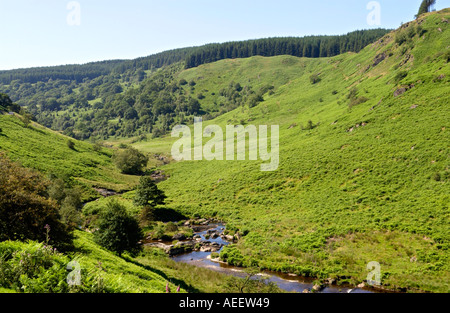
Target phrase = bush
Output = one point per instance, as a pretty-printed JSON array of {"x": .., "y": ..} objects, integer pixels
[
  {"x": 447, "y": 56},
  {"x": 309, "y": 125},
  {"x": 401, "y": 38},
  {"x": 352, "y": 94},
  {"x": 117, "y": 230},
  {"x": 26, "y": 117},
  {"x": 437, "y": 176},
  {"x": 411, "y": 32},
  {"x": 37, "y": 268},
  {"x": 147, "y": 216},
  {"x": 357, "y": 101},
  {"x": 314, "y": 79},
  {"x": 399, "y": 76},
  {"x": 71, "y": 206},
  {"x": 97, "y": 147},
  {"x": 354, "y": 99},
  {"x": 420, "y": 30},
  {"x": 69, "y": 200},
  {"x": 255, "y": 99},
  {"x": 32, "y": 268},
  {"x": 171, "y": 227},
  {"x": 130, "y": 161},
  {"x": 148, "y": 194},
  {"x": 25, "y": 209}
]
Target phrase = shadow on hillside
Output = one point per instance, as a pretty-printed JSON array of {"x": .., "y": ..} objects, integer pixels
[
  {"x": 172, "y": 280},
  {"x": 168, "y": 215},
  {"x": 129, "y": 259},
  {"x": 36, "y": 129}
]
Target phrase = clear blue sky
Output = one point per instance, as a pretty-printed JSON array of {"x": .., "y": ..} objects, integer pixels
[{"x": 36, "y": 32}]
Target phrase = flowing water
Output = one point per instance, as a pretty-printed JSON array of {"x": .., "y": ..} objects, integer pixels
[{"x": 283, "y": 281}]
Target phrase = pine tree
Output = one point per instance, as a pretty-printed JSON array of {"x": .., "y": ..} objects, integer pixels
[
  {"x": 425, "y": 7},
  {"x": 148, "y": 194}
]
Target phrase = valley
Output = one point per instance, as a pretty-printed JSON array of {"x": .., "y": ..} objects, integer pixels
[{"x": 363, "y": 172}]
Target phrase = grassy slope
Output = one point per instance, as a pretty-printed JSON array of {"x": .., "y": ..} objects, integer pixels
[
  {"x": 121, "y": 274},
  {"x": 99, "y": 267},
  {"x": 47, "y": 151},
  {"x": 340, "y": 199},
  {"x": 103, "y": 271}
]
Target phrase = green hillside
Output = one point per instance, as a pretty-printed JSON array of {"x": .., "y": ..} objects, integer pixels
[
  {"x": 363, "y": 173},
  {"x": 368, "y": 183},
  {"x": 126, "y": 98},
  {"x": 101, "y": 271},
  {"x": 34, "y": 267},
  {"x": 47, "y": 151}
]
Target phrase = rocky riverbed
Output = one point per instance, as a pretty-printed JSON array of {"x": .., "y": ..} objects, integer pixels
[{"x": 208, "y": 237}]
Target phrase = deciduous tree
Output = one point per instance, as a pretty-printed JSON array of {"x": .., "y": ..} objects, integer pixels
[
  {"x": 117, "y": 230},
  {"x": 25, "y": 208}
]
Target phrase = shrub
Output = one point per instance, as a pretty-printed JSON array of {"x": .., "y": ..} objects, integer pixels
[
  {"x": 26, "y": 117},
  {"x": 171, "y": 227},
  {"x": 97, "y": 147},
  {"x": 401, "y": 38},
  {"x": 37, "y": 268},
  {"x": 399, "y": 76},
  {"x": 146, "y": 216},
  {"x": 32, "y": 268},
  {"x": 352, "y": 93},
  {"x": 117, "y": 230},
  {"x": 437, "y": 176},
  {"x": 420, "y": 30},
  {"x": 357, "y": 101},
  {"x": 25, "y": 208},
  {"x": 148, "y": 194},
  {"x": 354, "y": 99},
  {"x": 447, "y": 56},
  {"x": 411, "y": 32},
  {"x": 314, "y": 79},
  {"x": 130, "y": 161},
  {"x": 309, "y": 125},
  {"x": 70, "y": 210}
]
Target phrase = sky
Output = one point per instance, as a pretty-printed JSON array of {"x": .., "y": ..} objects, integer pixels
[{"x": 56, "y": 32}]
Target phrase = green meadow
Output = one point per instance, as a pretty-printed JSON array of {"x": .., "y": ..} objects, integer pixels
[
  {"x": 368, "y": 182},
  {"x": 47, "y": 151}
]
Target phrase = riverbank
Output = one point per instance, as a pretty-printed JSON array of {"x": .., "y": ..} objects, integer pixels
[{"x": 202, "y": 250}]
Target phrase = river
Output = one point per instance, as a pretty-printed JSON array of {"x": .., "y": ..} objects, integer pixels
[{"x": 286, "y": 282}]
